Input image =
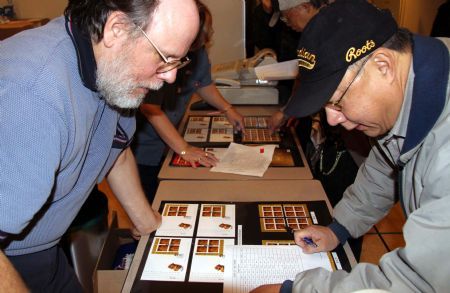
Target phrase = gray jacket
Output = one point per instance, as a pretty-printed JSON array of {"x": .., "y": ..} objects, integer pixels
[{"x": 423, "y": 264}]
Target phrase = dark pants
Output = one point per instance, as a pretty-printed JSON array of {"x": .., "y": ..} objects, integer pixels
[
  {"x": 47, "y": 271},
  {"x": 149, "y": 180}
]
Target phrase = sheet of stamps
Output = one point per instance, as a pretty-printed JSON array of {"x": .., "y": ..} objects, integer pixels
[
  {"x": 168, "y": 259},
  {"x": 216, "y": 220},
  {"x": 178, "y": 219}
]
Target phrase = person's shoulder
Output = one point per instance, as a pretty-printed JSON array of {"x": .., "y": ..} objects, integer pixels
[
  {"x": 445, "y": 40},
  {"x": 26, "y": 53}
]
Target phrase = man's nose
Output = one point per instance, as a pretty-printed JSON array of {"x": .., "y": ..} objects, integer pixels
[
  {"x": 334, "y": 117},
  {"x": 168, "y": 76}
]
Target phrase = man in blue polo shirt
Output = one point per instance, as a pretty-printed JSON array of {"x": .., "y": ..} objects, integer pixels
[{"x": 66, "y": 90}]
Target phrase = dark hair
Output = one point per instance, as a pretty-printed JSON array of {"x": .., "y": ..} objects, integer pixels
[
  {"x": 319, "y": 3},
  {"x": 206, "y": 31},
  {"x": 91, "y": 15},
  {"x": 401, "y": 41}
]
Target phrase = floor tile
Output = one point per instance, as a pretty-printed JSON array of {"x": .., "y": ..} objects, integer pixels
[
  {"x": 393, "y": 222},
  {"x": 372, "y": 249},
  {"x": 393, "y": 240},
  {"x": 371, "y": 231}
]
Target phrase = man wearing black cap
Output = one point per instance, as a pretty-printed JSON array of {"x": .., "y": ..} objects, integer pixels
[
  {"x": 393, "y": 86},
  {"x": 296, "y": 14}
]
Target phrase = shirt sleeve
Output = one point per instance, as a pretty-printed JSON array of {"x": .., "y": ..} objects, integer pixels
[
  {"x": 420, "y": 266},
  {"x": 203, "y": 67},
  {"x": 370, "y": 197}
]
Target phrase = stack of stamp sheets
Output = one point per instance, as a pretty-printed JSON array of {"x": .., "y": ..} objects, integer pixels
[
  {"x": 217, "y": 129},
  {"x": 208, "y": 129},
  {"x": 215, "y": 133}
]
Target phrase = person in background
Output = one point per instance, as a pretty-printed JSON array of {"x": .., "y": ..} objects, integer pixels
[
  {"x": 296, "y": 14},
  {"x": 270, "y": 33},
  {"x": 165, "y": 108},
  {"x": 393, "y": 86},
  {"x": 67, "y": 91}
]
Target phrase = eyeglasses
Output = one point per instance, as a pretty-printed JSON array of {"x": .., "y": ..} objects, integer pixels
[
  {"x": 168, "y": 64},
  {"x": 284, "y": 16},
  {"x": 336, "y": 105}
]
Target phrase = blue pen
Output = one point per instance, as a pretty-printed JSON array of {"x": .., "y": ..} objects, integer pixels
[{"x": 307, "y": 240}]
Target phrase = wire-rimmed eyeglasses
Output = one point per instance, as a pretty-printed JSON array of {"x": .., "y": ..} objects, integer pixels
[
  {"x": 336, "y": 105},
  {"x": 168, "y": 64}
]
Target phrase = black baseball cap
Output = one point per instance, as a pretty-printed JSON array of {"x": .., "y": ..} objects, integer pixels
[{"x": 338, "y": 36}]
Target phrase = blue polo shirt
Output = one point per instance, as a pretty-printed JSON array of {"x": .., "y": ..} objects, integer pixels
[{"x": 58, "y": 138}]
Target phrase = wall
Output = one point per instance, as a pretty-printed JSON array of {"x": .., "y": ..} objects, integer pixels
[
  {"x": 229, "y": 30},
  {"x": 37, "y": 8},
  {"x": 416, "y": 15}
]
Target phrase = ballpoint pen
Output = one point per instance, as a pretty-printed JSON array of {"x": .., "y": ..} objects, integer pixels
[{"x": 307, "y": 240}]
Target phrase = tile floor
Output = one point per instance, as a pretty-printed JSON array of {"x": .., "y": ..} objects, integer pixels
[{"x": 384, "y": 237}]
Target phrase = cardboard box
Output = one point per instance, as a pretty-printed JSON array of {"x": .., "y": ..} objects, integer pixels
[{"x": 107, "y": 280}]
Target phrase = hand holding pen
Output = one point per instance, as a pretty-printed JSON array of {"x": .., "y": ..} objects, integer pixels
[
  {"x": 306, "y": 240},
  {"x": 315, "y": 238}
]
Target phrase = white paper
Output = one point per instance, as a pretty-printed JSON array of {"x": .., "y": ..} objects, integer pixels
[
  {"x": 167, "y": 260},
  {"x": 221, "y": 135},
  {"x": 221, "y": 122},
  {"x": 208, "y": 260},
  {"x": 245, "y": 160},
  {"x": 196, "y": 134},
  {"x": 278, "y": 71},
  {"x": 178, "y": 219},
  {"x": 217, "y": 220},
  {"x": 249, "y": 266}
]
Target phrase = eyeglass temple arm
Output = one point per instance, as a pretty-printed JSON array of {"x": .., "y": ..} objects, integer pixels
[{"x": 153, "y": 44}]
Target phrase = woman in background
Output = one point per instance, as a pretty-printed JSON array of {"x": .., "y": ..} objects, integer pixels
[{"x": 163, "y": 110}]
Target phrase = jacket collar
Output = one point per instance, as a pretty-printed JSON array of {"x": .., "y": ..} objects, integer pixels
[
  {"x": 431, "y": 67},
  {"x": 87, "y": 67}
]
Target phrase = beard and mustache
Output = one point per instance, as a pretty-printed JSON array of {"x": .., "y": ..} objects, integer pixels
[{"x": 117, "y": 84}]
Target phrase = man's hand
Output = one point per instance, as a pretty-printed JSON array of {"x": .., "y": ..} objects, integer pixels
[
  {"x": 196, "y": 155},
  {"x": 272, "y": 288},
  {"x": 235, "y": 119},
  {"x": 276, "y": 121},
  {"x": 324, "y": 237},
  {"x": 156, "y": 223},
  {"x": 11, "y": 280}
]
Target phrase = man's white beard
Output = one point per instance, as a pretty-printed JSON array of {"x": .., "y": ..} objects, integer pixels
[{"x": 116, "y": 84}]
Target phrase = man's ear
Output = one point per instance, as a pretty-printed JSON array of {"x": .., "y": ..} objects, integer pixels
[
  {"x": 385, "y": 62},
  {"x": 116, "y": 28}
]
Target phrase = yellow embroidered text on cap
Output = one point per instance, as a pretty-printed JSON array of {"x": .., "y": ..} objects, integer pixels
[
  {"x": 306, "y": 59},
  {"x": 354, "y": 53}
]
